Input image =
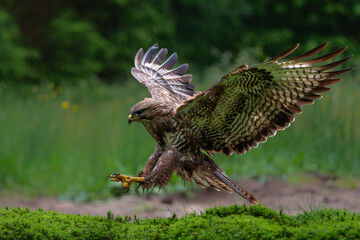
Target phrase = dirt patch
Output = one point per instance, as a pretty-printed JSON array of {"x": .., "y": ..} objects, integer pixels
[{"x": 313, "y": 193}]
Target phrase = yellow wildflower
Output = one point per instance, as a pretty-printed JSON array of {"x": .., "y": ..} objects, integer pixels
[{"x": 65, "y": 105}]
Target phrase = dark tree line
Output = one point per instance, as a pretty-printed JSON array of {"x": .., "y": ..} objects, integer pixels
[{"x": 67, "y": 40}]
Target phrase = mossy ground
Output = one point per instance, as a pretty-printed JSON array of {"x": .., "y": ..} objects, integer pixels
[{"x": 234, "y": 222}]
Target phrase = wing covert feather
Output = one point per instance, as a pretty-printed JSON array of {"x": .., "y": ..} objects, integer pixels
[{"x": 249, "y": 105}]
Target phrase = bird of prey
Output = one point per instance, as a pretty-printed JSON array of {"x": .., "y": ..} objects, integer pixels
[{"x": 243, "y": 109}]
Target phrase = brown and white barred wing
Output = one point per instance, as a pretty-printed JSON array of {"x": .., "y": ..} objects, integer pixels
[
  {"x": 249, "y": 105},
  {"x": 163, "y": 82}
]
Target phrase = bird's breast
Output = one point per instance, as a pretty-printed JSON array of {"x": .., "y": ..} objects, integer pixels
[{"x": 162, "y": 132}]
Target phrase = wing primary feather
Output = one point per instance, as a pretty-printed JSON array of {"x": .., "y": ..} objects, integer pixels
[
  {"x": 191, "y": 87},
  {"x": 182, "y": 78},
  {"x": 328, "y": 82},
  {"x": 154, "y": 71},
  {"x": 149, "y": 54},
  {"x": 138, "y": 57},
  {"x": 320, "y": 89},
  {"x": 284, "y": 54},
  {"x": 249, "y": 105},
  {"x": 325, "y": 57},
  {"x": 333, "y": 65},
  {"x": 179, "y": 70},
  {"x": 335, "y": 73},
  {"x": 309, "y": 53},
  {"x": 169, "y": 62},
  {"x": 160, "y": 56}
]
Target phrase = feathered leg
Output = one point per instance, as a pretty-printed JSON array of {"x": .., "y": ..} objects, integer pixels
[
  {"x": 163, "y": 170},
  {"x": 156, "y": 173},
  {"x": 151, "y": 162}
]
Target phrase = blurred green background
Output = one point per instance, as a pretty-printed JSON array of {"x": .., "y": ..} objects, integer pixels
[{"x": 66, "y": 88}]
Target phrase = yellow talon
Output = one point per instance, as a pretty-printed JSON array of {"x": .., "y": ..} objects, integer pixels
[{"x": 125, "y": 180}]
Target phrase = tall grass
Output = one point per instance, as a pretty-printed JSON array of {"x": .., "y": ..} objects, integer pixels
[{"x": 63, "y": 141}]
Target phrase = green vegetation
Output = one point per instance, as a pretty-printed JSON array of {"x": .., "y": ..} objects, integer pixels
[
  {"x": 63, "y": 141},
  {"x": 13, "y": 56},
  {"x": 68, "y": 41},
  {"x": 237, "y": 222}
]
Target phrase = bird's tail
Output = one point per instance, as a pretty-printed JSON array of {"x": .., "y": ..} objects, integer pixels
[{"x": 225, "y": 182}]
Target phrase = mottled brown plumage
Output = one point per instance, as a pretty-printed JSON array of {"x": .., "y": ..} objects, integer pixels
[{"x": 240, "y": 111}]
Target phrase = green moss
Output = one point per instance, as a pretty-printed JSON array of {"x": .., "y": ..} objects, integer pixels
[{"x": 234, "y": 222}]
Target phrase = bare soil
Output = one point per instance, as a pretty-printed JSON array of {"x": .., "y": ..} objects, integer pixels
[{"x": 312, "y": 192}]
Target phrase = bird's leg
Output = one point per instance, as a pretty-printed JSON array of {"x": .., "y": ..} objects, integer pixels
[
  {"x": 125, "y": 180},
  {"x": 161, "y": 173},
  {"x": 151, "y": 162},
  {"x": 156, "y": 173}
]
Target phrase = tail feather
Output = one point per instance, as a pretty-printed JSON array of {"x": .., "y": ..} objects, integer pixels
[
  {"x": 223, "y": 185},
  {"x": 230, "y": 183},
  {"x": 199, "y": 181},
  {"x": 211, "y": 183}
]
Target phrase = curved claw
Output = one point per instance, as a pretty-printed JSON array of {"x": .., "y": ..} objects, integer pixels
[
  {"x": 125, "y": 189},
  {"x": 137, "y": 187},
  {"x": 125, "y": 180}
]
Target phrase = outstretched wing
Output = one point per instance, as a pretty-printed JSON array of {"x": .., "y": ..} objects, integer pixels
[
  {"x": 249, "y": 105},
  {"x": 163, "y": 82}
]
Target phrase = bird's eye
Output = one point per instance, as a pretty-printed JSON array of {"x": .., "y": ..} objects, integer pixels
[{"x": 140, "y": 111}]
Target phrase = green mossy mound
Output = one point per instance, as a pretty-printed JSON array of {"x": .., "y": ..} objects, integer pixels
[{"x": 235, "y": 222}]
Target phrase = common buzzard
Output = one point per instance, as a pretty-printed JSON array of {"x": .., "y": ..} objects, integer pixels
[{"x": 243, "y": 109}]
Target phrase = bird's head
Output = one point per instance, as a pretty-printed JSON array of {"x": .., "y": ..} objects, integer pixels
[{"x": 143, "y": 111}]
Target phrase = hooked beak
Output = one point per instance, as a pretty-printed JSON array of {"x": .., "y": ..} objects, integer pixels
[{"x": 130, "y": 119}]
